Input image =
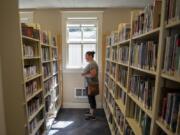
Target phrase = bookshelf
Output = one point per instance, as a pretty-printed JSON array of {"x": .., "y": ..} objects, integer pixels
[
  {"x": 142, "y": 69},
  {"x": 41, "y": 83}
]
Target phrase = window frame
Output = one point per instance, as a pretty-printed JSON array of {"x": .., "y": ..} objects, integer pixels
[
  {"x": 81, "y": 14},
  {"x": 80, "y": 22}
]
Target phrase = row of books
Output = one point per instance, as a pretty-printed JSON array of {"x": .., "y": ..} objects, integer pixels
[
  {"x": 172, "y": 10},
  {"x": 114, "y": 53},
  {"x": 127, "y": 129},
  {"x": 172, "y": 53},
  {"x": 119, "y": 117},
  {"x": 30, "y": 70},
  {"x": 55, "y": 67},
  {"x": 147, "y": 19},
  {"x": 34, "y": 104},
  {"x": 46, "y": 70},
  {"x": 144, "y": 55},
  {"x": 170, "y": 109},
  {"x": 34, "y": 123},
  {"x": 48, "y": 103},
  {"x": 48, "y": 85},
  {"x": 123, "y": 54},
  {"x": 112, "y": 86},
  {"x": 29, "y": 51},
  {"x": 122, "y": 75},
  {"x": 45, "y": 37},
  {"x": 143, "y": 88},
  {"x": 121, "y": 95},
  {"x": 30, "y": 31},
  {"x": 45, "y": 54},
  {"x": 108, "y": 66},
  {"x": 31, "y": 87},
  {"x": 55, "y": 81},
  {"x": 108, "y": 52},
  {"x": 113, "y": 70},
  {"x": 124, "y": 30},
  {"x": 140, "y": 117},
  {"x": 54, "y": 54}
]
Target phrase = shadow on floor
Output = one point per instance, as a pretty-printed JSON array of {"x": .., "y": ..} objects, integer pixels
[{"x": 72, "y": 122}]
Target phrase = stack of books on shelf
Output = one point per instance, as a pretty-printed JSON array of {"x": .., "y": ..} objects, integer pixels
[
  {"x": 46, "y": 70},
  {"x": 34, "y": 105},
  {"x": 172, "y": 53},
  {"x": 121, "y": 95},
  {"x": 128, "y": 130},
  {"x": 124, "y": 31},
  {"x": 30, "y": 70},
  {"x": 119, "y": 117},
  {"x": 140, "y": 117},
  {"x": 123, "y": 54},
  {"x": 172, "y": 10},
  {"x": 30, "y": 30},
  {"x": 35, "y": 122},
  {"x": 107, "y": 66},
  {"x": 148, "y": 19},
  {"x": 143, "y": 88},
  {"x": 47, "y": 85},
  {"x": 170, "y": 109},
  {"x": 112, "y": 86},
  {"x": 114, "y": 54},
  {"x": 45, "y": 37},
  {"x": 122, "y": 75},
  {"x": 45, "y": 54},
  {"x": 108, "y": 41},
  {"x": 113, "y": 70},
  {"x": 114, "y": 37},
  {"x": 55, "y": 67},
  {"x": 31, "y": 88},
  {"x": 108, "y": 53},
  {"x": 29, "y": 50},
  {"x": 144, "y": 55},
  {"x": 54, "y": 54}
]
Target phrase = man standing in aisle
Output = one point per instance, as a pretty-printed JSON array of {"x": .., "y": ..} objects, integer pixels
[{"x": 90, "y": 74}]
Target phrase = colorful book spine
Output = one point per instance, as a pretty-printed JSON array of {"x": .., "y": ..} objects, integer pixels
[
  {"x": 123, "y": 54},
  {"x": 144, "y": 55},
  {"x": 143, "y": 88}
]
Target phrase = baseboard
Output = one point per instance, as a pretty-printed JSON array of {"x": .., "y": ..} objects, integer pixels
[{"x": 79, "y": 105}]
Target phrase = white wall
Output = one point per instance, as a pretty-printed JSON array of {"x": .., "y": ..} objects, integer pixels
[{"x": 2, "y": 116}]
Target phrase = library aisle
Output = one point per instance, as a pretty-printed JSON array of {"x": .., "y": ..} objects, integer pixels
[
  {"x": 72, "y": 122},
  {"x": 55, "y": 53}
]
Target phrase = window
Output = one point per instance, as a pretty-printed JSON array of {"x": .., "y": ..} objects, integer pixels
[{"x": 81, "y": 36}]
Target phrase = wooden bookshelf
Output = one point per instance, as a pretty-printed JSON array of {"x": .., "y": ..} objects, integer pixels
[
  {"x": 159, "y": 78},
  {"x": 34, "y": 80}
]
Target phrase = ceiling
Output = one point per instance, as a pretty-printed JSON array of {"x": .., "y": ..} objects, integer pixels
[{"x": 26, "y": 4}]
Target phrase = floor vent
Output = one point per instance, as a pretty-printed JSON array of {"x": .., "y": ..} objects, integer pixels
[{"x": 80, "y": 93}]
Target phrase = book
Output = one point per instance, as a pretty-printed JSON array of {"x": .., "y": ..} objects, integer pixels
[
  {"x": 47, "y": 86},
  {"x": 108, "y": 53},
  {"x": 45, "y": 54},
  {"x": 44, "y": 37},
  {"x": 121, "y": 95},
  {"x": 54, "y": 54},
  {"x": 124, "y": 31},
  {"x": 119, "y": 117},
  {"x": 30, "y": 70},
  {"x": 128, "y": 130},
  {"x": 46, "y": 70},
  {"x": 122, "y": 75},
  {"x": 172, "y": 11},
  {"x": 114, "y": 54},
  {"x": 31, "y": 88},
  {"x": 147, "y": 19},
  {"x": 144, "y": 55},
  {"x": 123, "y": 54},
  {"x": 143, "y": 88},
  {"x": 29, "y": 50},
  {"x": 171, "y": 64},
  {"x": 30, "y": 30},
  {"x": 55, "y": 67},
  {"x": 113, "y": 70}
]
